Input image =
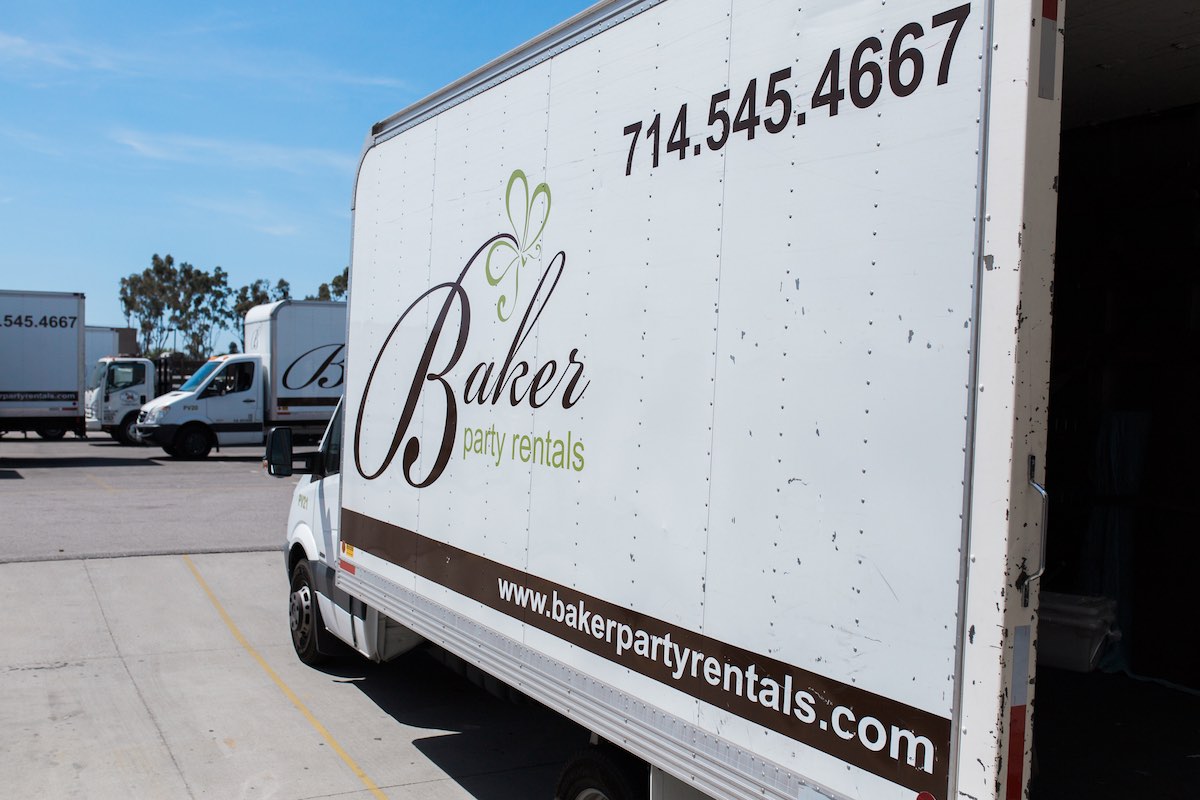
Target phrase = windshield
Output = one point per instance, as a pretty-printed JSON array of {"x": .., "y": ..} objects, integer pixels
[
  {"x": 200, "y": 377},
  {"x": 96, "y": 375}
]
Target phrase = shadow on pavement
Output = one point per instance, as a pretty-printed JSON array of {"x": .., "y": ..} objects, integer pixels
[
  {"x": 10, "y": 475},
  {"x": 163, "y": 458},
  {"x": 498, "y": 750},
  {"x": 57, "y": 462}
]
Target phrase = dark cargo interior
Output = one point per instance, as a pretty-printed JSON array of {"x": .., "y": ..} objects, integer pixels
[{"x": 1119, "y": 715}]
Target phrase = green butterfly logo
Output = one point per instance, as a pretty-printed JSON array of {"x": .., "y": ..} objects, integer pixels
[{"x": 526, "y": 211}]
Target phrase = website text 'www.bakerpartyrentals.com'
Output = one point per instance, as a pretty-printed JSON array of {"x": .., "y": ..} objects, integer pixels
[{"x": 742, "y": 683}]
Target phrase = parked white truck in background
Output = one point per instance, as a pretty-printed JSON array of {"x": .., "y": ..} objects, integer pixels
[
  {"x": 117, "y": 388},
  {"x": 291, "y": 374},
  {"x": 733, "y": 452},
  {"x": 41, "y": 362}
]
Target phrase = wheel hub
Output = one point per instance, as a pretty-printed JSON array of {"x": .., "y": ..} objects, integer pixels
[{"x": 300, "y": 612}]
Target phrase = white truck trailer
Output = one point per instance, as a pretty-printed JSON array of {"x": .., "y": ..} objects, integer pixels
[
  {"x": 41, "y": 362},
  {"x": 733, "y": 452},
  {"x": 99, "y": 341},
  {"x": 106, "y": 340},
  {"x": 291, "y": 374}
]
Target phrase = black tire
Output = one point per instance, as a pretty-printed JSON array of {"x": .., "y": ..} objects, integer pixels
[
  {"x": 600, "y": 773},
  {"x": 52, "y": 433},
  {"x": 193, "y": 443},
  {"x": 124, "y": 432},
  {"x": 170, "y": 450},
  {"x": 304, "y": 615}
]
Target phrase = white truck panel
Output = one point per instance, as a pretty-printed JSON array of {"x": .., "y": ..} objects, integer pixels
[
  {"x": 690, "y": 451},
  {"x": 99, "y": 341},
  {"x": 41, "y": 355}
]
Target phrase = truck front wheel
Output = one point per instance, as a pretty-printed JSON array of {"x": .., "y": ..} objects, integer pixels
[
  {"x": 600, "y": 773},
  {"x": 124, "y": 433},
  {"x": 193, "y": 442},
  {"x": 304, "y": 615}
]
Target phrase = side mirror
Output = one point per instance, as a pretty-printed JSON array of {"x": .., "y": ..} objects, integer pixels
[{"x": 281, "y": 461}]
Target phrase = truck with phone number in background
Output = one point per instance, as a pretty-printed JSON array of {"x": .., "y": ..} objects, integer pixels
[{"x": 41, "y": 362}]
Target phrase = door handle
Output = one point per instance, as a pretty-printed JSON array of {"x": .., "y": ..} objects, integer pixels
[
  {"x": 248, "y": 400},
  {"x": 1024, "y": 579}
]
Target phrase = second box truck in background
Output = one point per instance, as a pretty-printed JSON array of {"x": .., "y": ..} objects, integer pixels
[{"x": 291, "y": 374}]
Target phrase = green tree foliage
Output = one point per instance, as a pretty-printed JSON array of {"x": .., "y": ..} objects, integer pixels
[
  {"x": 335, "y": 289},
  {"x": 340, "y": 285},
  {"x": 167, "y": 299},
  {"x": 202, "y": 308},
  {"x": 148, "y": 296},
  {"x": 197, "y": 305},
  {"x": 249, "y": 296}
]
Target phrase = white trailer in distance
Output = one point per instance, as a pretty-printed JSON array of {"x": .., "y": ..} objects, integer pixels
[
  {"x": 41, "y": 362},
  {"x": 291, "y": 374},
  {"x": 697, "y": 388}
]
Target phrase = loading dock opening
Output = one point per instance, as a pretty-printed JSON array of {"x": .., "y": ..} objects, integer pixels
[{"x": 1121, "y": 464}]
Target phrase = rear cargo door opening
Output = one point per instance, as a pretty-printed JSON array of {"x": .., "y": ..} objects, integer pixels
[{"x": 1118, "y": 691}]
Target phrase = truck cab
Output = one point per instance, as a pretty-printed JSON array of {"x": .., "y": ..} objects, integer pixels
[
  {"x": 323, "y": 617},
  {"x": 117, "y": 388},
  {"x": 221, "y": 404}
]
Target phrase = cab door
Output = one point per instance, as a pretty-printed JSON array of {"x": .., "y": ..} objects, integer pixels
[
  {"x": 322, "y": 494},
  {"x": 233, "y": 403}
]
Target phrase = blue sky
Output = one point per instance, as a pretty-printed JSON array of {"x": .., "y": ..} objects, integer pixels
[{"x": 224, "y": 134}]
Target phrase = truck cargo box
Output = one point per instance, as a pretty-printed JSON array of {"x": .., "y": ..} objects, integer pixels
[{"x": 41, "y": 361}]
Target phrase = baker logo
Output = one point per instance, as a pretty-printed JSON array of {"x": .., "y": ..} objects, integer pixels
[
  {"x": 325, "y": 366},
  {"x": 508, "y": 379},
  {"x": 516, "y": 252}
]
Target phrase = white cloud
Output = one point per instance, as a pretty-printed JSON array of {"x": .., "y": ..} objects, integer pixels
[
  {"x": 197, "y": 58},
  {"x": 278, "y": 230},
  {"x": 251, "y": 210},
  {"x": 31, "y": 141},
  {"x": 21, "y": 52},
  {"x": 182, "y": 148}
]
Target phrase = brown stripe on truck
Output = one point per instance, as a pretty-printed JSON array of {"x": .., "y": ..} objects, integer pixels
[{"x": 895, "y": 741}]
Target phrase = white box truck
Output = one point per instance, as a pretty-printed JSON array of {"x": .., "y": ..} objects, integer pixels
[
  {"x": 696, "y": 379},
  {"x": 41, "y": 362},
  {"x": 117, "y": 388},
  {"x": 99, "y": 341},
  {"x": 291, "y": 373},
  {"x": 107, "y": 340}
]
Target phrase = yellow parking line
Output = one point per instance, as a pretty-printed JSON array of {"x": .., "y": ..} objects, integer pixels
[
  {"x": 296, "y": 701},
  {"x": 103, "y": 484}
]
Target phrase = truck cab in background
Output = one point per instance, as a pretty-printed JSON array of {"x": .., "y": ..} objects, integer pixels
[
  {"x": 291, "y": 373},
  {"x": 117, "y": 388},
  {"x": 219, "y": 405}
]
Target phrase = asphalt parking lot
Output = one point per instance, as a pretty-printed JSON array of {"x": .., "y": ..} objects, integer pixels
[{"x": 146, "y": 652}]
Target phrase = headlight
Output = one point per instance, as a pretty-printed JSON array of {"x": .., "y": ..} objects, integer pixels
[{"x": 156, "y": 414}]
